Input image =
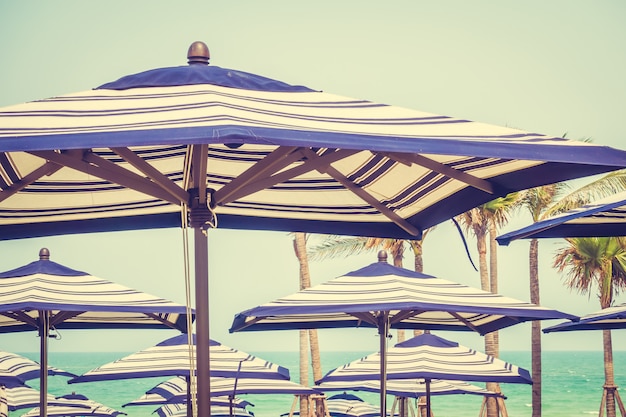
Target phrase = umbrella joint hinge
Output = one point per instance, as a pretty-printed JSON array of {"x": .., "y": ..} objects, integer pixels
[{"x": 201, "y": 215}]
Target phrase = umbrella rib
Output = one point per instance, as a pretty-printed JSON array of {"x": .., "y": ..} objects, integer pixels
[
  {"x": 276, "y": 160},
  {"x": 158, "y": 318},
  {"x": 116, "y": 176},
  {"x": 153, "y": 173},
  {"x": 403, "y": 315},
  {"x": 443, "y": 169},
  {"x": 21, "y": 316},
  {"x": 62, "y": 316},
  {"x": 465, "y": 321},
  {"x": 364, "y": 195},
  {"x": 286, "y": 175},
  {"x": 366, "y": 317},
  {"x": 48, "y": 168}
]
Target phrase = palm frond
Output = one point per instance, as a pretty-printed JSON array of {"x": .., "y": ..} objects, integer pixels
[{"x": 605, "y": 186}]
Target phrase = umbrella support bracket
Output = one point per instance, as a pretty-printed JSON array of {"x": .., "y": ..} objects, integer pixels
[{"x": 201, "y": 215}]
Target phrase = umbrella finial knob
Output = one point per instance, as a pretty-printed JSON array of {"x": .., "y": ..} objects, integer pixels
[
  {"x": 44, "y": 254},
  {"x": 382, "y": 256},
  {"x": 198, "y": 53}
]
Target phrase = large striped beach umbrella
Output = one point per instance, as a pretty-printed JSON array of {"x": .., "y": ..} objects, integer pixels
[
  {"x": 256, "y": 153},
  {"x": 429, "y": 357},
  {"x": 383, "y": 296},
  {"x": 602, "y": 218},
  {"x": 44, "y": 295}
]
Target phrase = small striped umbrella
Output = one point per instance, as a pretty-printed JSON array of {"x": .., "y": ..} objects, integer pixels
[
  {"x": 430, "y": 357},
  {"x": 21, "y": 396},
  {"x": 171, "y": 358},
  {"x": 602, "y": 218},
  {"x": 76, "y": 405},
  {"x": 45, "y": 295},
  {"x": 17, "y": 369}
]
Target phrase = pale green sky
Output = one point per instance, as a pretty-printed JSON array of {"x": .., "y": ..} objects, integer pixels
[{"x": 551, "y": 67}]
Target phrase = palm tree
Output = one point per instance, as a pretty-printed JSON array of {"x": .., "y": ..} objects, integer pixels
[
  {"x": 543, "y": 202},
  {"x": 308, "y": 338},
  {"x": 483, "y": 222},
  {"x": 600, "y": 263},
  {"x": 537, "y": 201}
]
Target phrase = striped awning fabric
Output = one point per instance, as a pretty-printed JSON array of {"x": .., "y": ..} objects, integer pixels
[
  {"x": 609, "y": 318},
  {"x": 431, "y": 357},
  {"x": 410, "y": 300},
  {"x": 604, "y": 217},
  {"x": 171, "y": 358},
  {"x": 410, "y": 388},
  {"x": 76, "y": 300},
  {"x": 275, "y": 157},
  {"x": 17, "y": 369}
]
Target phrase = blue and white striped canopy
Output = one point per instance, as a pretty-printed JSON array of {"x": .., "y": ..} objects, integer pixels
[
  {"x": 409, "y": 388},
  {"x": 410, "y": 299},
  {"x": 604, "y": 217},
  {"x": 76, "y": 300},
  {"x": 431, "y": 357},
  {"x": 275, "y": 157},
  {"x": 17, "y": 369},
  {"x": 609, "y": 318},
  {"x": 171, "y": 358}
]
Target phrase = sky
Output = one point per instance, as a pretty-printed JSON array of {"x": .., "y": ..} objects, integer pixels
[{"x": 551, "y": 67}]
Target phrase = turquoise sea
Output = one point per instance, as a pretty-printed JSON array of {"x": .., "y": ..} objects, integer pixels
[{"x": 572, "y": 384}]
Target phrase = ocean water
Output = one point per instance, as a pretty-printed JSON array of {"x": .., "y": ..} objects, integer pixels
[{"x": 572, "y": 384}]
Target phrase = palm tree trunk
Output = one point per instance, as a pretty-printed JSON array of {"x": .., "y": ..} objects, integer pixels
[
  {"x": 299, "y": 246},
  {"x": 609, "y": 378},
  {"x": 304, "y": 370},
  {"x": 316, "y": 362},
  {"x": 492, "y": 339},
  {"x": 533, "y": 260},
  {"x": 397, "y": 261},
  {"x": 481, "y": 245},
  {"x": 418, "y": 263}
]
